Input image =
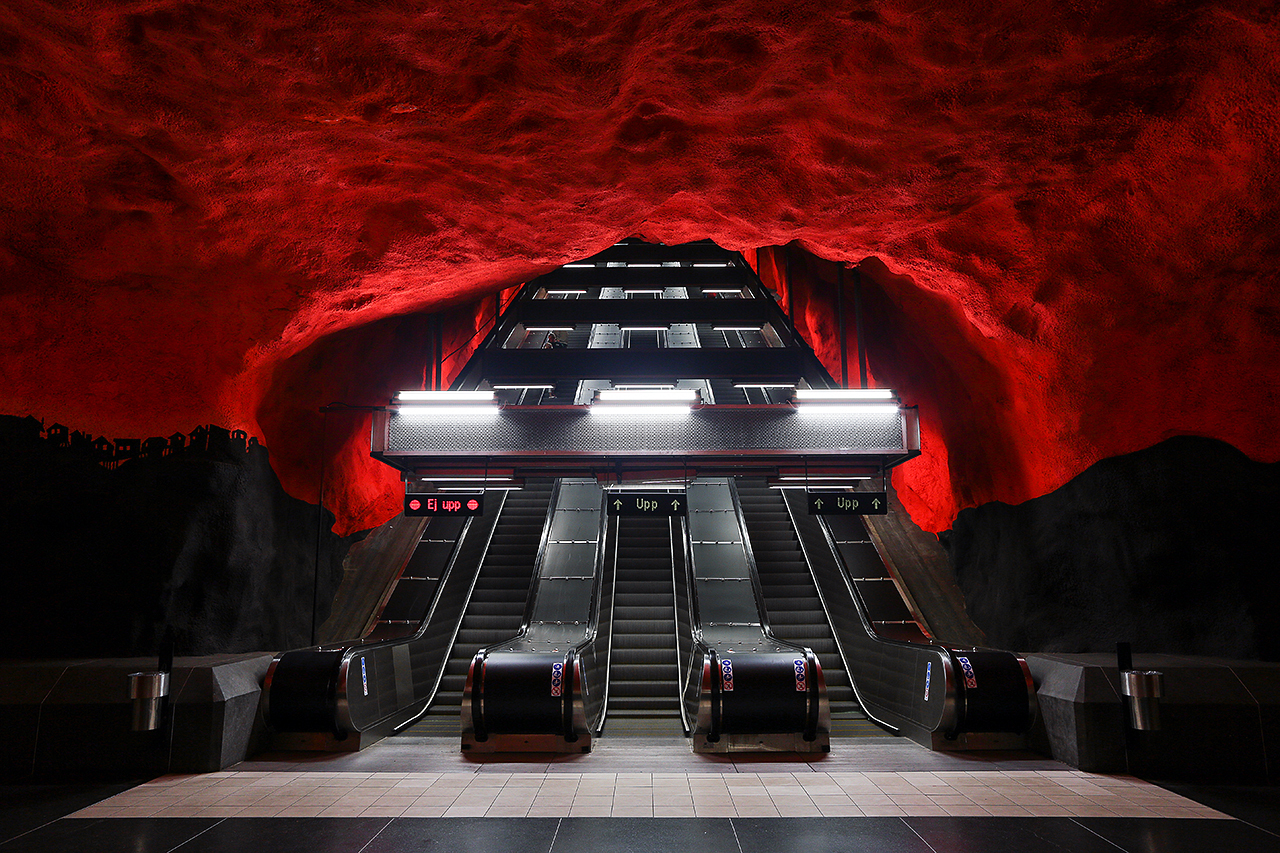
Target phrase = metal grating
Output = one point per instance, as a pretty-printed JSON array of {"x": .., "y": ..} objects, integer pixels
[{"x": 577, "y": 432}]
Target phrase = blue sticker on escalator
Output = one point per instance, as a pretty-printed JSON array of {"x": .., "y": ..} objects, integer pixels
[
  {"x": 928, "y": 676},
  {"x": 801, "y": 682},
  {"x": 726, "y": 675},
  {"x": 970, "y": 680},
  {"x": 557, "y": 678}
]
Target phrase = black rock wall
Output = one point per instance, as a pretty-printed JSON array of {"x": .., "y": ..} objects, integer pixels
[
  {"x": 98, "y": 562},
  {"x": 1174, "y": 548}
]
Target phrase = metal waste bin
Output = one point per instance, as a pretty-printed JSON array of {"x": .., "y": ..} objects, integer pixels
[
  {"x": 147, "y": 690},
  {"x": 1144, "y": 688}
]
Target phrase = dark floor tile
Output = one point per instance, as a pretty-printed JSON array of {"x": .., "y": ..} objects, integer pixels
[
  {"x": 25, "y": 807},
  {"x": 472, "y": 835},
  {"x": 1011, "y": 834},
  {"x": 135, "y": 834},
  {"x": 288, "y": 835},
  {"x": 1181, "y": 835},
  {"x": 829, "y": 835},
  {"x": 1257, "y": 805},
  {"x": 645, "y": 835}
]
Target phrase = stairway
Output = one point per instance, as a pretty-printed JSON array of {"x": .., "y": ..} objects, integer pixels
[
  {"x": 643, "y": 670},
  {"x": 795, "y": 611}
]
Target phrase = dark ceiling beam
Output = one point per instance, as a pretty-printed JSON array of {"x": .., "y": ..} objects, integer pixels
[
  {"x": 515, "y": 365},
  {"x": 550, "y": 312}
]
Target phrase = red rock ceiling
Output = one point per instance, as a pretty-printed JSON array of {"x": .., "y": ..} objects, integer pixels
[{"x": 228, "y": 212}]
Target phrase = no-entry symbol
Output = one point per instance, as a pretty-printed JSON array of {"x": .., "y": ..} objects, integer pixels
[{"x": 443, "y": 504}]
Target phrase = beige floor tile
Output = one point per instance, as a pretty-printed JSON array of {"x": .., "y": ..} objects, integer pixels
[
  {"x": 849, "y": 810},
  {"x": 703, "y": 810},
  {"x": 507, "y": 811},
  {"x": 261, "y": 811},
  {"x": 424, "y": 811},
  {"x": 673, "y": 811},
  {"x": 882, "y": 810},
  {"x": 590, "y": 811}
]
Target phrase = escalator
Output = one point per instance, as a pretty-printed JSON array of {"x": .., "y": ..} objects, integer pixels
[
  {"x": 644, "y": 696},
  {"x": 450, "y": 597},
  {"x": 498, "y": 600},
  {"x": 795, "y": 609}
]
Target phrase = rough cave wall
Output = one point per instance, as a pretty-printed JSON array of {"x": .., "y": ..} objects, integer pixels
[
  {"x": 203, "y": 541},
  {"x": 1063, "y": 216}
]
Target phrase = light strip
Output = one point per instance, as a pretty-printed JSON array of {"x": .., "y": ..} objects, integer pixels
[
  {"x": 638, "y": 410},
  {"x": 645, "y": 266},
  {"x": 848, "y": 410},
  {"x": 722, "y": 290},
  {"x": 713, "y": 265},
  {"x": 645, "y": 328},
  {"x": 549, "y": 328},
  {"x": 658, "y": 291},
  {"x": 762, "y": 385},
  {"x": 626, "y": 395},
  {"x": 579, "y": 266},
  {"x": 523, "y": 387},
  {"x": 434, "y": 411},
  {"x": 567, "y": 292},
  {"x": 444, "y": 397},
  {"x": 828, "y": 486},
  {"x": 737, "y": 328},
  {"x": 480, "y": 488},
  {"x": 833, "y": 395},
  {"x": 477, "y": 479},
  {"x": 816, "y": 477}
]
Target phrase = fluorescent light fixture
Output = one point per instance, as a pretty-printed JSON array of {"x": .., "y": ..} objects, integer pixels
[
  {"x": 713, "y": 265},
  {"x": 579, "y": 266},
  {"x": 645, "y": 328},
  {"x": 824, "y": 486},
  {"x": 634, "y": 411},
  {"x": 841, "y": 395},
  {"x": 446, "y": 411},
  {"x": 647, "y": 395},
  {"x": 645, "y": 266},
  {"x": 548, "y": 328},
  {"x": 479, "y": 488},
  {"x": 477, "y": 479},
  {"x": 655, "y": 291},
  {"x": 760, "y": 385},
  {"x": 737, "y": 328},
  {"x": 523, "y": 387},
  {"x": 849, "y": 411},
  {"x": 722, "y": 290},
  {"x": 655, "y": 486},
  {"x": 567, "y": 292},
  {"x": 444, "y": 397},
  {"x": 817, "y": 477}
]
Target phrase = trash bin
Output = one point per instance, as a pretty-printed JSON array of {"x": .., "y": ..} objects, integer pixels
[
  {"x": 1144, "y": 688},
  {"x": 147, "y": 690}
]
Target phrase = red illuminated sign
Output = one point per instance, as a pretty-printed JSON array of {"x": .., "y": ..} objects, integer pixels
[{"x": 443, "y": 504}]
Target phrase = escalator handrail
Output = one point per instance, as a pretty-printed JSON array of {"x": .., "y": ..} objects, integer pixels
[{"x": 343, "y": 708}]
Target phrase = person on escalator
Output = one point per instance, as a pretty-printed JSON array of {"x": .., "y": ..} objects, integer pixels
[{"x": 553, "y": 342}]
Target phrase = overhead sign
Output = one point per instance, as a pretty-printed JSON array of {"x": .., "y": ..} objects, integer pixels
[
  {"x": 646, "y": 503},
  {"x": 848, "y": 503},
  {"x": 447, "y": 504}
]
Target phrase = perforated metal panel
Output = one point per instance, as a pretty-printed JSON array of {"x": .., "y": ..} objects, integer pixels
[{"x": 574, "y": 432}]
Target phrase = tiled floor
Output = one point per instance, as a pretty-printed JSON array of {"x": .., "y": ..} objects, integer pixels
[
  {"x": 249, "y": 793},
  {"x": 648, "y": 794}
]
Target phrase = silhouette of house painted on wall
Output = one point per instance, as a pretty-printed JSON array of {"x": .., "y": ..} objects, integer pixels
[
  {"x": 155, "y": 447},
  {"x": 199, "y": 440},
  {"x": 57, "y": 435},
  {"x": 127, "y": 448},
  {"x": 103, "y": 450},
  {"x": 177, "y": 442},
  {"x": 238, "y": 439},
  {"x": 24, "y": 429}
]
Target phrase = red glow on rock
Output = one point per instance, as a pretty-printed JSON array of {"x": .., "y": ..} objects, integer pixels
[{"x": 229, "y": 213}]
